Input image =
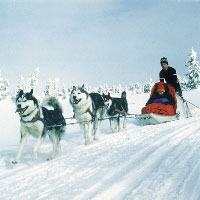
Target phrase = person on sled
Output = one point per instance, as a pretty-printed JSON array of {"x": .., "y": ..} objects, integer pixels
[
  {"x": 169, "y": 75},
  {"x": 162, "y": 100},
  {"x": 161, "y": 96}
]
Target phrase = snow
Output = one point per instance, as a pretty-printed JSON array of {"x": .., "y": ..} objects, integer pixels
[{"x": 141, "y": 162}]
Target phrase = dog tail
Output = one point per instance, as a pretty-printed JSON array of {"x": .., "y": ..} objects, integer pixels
[
  {"x": 123, "y": 95},
  {"x": 52, "y": 102},
  {"x": 125, "y": 103}
]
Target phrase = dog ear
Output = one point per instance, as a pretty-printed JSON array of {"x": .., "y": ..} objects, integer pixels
[
  {"x": 31, "y": 92},
  {"x": 20, "y": 93},
  {"x": 83, "y": 86},
  {"x": 74, "y": 87},
  {"x": 109, "y": 94}
]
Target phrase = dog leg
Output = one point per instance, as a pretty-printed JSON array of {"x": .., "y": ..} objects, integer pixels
[
  {"x": 88, "y": 138},
  {"x": 35, "y": 149},
  {"x": 125, "y": 121},
  {"x": 21, "y": 146},
  {"x": 118, "y": 124},
  {"x": 55, "y": 141},
  {"x": 83, "y": 128},
  {"x": 96, "y": 129},
  {"x": 111, "y": 125}
]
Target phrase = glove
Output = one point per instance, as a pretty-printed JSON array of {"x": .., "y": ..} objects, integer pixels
[{"x": 179, "y": 93}]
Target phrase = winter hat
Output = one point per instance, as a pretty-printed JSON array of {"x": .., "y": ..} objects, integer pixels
[
  {"x": 163, "y": 60},
  {"x": 161, "y": 87}
]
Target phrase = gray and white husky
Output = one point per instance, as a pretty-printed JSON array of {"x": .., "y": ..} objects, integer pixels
[
  {"x": 116, "y": 108},
  {"x": 39, "y": 121},
  {"x": 88, "y": 109}
]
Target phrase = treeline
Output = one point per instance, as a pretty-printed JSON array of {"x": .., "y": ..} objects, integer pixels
[{"x": 191, "y": 80}]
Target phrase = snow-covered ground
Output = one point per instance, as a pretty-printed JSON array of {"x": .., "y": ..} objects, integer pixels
[{"x": 141, "y": 162}]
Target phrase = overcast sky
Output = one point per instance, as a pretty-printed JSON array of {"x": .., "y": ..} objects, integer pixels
[{"x": 96, "y": 41}]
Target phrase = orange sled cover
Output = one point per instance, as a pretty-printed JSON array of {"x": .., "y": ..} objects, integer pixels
[{"x": 160, "y": 109}]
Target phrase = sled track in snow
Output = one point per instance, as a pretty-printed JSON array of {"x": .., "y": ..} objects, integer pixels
[
  {"x": 125, "y": 166},
  {"x": 121, "y": 179},
  {"x": 178, "y": 157}
]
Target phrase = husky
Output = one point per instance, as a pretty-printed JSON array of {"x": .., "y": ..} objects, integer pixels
[
  {"x": 38, "y": 121},
  {"x": 88, "y": 109},
  {"x": 115, "y": 108}
]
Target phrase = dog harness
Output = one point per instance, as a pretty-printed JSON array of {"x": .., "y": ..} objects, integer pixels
[
  {"x": 35, "y": 119},
  {"x": 51, "y": 119}
]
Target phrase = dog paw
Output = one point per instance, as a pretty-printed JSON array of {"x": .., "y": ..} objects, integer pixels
[
  {"x": 14, "y": 162},
  {"x": 50, "y": 158},
  {"x": 87, "y": 142},
  {"x": 96, "y": 138}
]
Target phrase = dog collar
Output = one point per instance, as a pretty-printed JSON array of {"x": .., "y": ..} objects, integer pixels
[
  {"x": 35, "y": 119},
  {"x": 28, "y": 113}
]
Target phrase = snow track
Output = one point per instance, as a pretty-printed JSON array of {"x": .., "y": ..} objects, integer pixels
[{"x": 141, "y": 162}]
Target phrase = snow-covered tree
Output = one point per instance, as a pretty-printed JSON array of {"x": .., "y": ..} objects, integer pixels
[
  {"x": 193, "y": 73},
  {"x": 21, "y": 84},
  {"x": 52, "y": 88},
  {"x": 138, "y": 88},
  {"x": 34, "y": 79},
  {"x": 148, "y": 86},
  {"x": 4, "y": 88},
  {"x": 183, "y": 82},
  {"x": 131, "y": 88},
  {"x": 31, "y": 82},
  {"x": 119, "y": 89},
  {"x": 64, "y": 92},
  {"x": 47, "y": 90}
]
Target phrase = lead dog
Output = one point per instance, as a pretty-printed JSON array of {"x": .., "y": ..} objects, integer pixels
[
  {"x": 38, "y": 122},
  {"x": 116, "y": 107},
  {"x": 88, "y": 110}
]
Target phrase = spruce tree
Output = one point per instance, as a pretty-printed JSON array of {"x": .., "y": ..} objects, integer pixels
[
  {"x": 4, "y": 88},
  {"x": 148, "y": 86},
  {"x": 193, "y": 73}
]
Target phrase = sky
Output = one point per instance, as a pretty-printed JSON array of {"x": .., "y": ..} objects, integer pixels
[{"x": 96, "y": 41}]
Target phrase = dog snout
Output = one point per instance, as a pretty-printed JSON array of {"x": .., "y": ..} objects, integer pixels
[
  {"x": 74, "y": 97},
  {"x": 19, "y": 106}
]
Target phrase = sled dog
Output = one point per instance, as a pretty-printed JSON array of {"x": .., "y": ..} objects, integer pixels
[
  {"x": 88, "y": 109},
  {"x": 38, "y": 121},
  {"x": 115, "y": 108}
]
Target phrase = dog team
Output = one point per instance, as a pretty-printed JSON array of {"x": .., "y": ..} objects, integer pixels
[{"x": 89, "y": 109}]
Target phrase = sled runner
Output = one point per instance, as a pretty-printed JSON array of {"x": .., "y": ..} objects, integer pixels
[{"x": 152, "y": 119}]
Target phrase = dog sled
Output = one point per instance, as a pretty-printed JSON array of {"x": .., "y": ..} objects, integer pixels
[{"x": 161, "y": 106}]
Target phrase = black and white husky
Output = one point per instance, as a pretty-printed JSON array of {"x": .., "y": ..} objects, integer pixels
[
  {"x": 39, "y": 121},
  {"x": 116, "y": 107},
  {"x": 88, "y": 109}
]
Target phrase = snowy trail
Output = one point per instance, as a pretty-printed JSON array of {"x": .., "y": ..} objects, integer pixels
[
  {"x": 136, "y": 173},
  {"x": 128, "y": 165},
  {"x": 141, "y": 162}
]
